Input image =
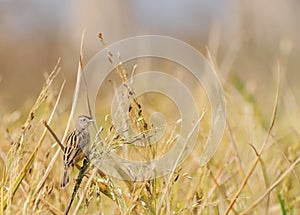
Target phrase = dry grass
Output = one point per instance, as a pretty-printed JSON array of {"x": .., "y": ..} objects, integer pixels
[{"x": 255, "y": 170}]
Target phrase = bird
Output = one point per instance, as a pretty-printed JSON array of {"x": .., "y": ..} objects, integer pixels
[{"x": 77, "y": 141}]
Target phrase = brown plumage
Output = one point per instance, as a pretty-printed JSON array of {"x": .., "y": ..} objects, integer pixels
[{"x": 78, "y": 140}]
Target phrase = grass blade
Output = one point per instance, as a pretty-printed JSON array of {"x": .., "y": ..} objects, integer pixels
[
  {"x": 271, "y": 125},
  {"x": 281, "y": 202}
]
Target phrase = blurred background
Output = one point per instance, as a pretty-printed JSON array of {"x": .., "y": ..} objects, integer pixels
[{"x": 245, "y": 38}]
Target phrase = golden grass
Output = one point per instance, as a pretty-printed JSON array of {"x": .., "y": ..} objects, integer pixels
[{"x": 255, "y": 171}]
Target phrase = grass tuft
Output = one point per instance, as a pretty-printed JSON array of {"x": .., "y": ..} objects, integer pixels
[{"x": 252, "y": 162}]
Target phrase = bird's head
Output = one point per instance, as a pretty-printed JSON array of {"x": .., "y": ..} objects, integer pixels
[{"x": 83, "y": 121}]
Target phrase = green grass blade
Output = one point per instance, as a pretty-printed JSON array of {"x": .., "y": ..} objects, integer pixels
[{"x": 281, "y": 202}]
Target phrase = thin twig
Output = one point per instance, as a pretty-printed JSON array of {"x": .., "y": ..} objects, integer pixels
[
  {"x": 77, "y": 184},
  {"x": 54, "y": 135}
]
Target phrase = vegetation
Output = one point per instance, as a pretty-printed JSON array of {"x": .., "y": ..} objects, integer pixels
[{"x": 255, "y": 170}]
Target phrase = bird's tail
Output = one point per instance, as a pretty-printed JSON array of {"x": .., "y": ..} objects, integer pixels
[{"x": 65, "y": 179}]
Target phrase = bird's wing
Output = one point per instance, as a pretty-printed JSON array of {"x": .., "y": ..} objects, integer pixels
[{"x": 72, "y": 149}]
